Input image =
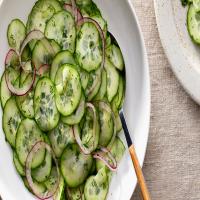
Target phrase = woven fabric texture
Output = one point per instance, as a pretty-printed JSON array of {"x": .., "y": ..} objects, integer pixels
[{"x": 172, "y": 163}]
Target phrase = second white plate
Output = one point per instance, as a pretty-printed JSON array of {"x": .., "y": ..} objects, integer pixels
[{"x": 183, "y": 54}]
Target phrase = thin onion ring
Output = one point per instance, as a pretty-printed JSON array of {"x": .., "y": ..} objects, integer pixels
[
  {"x": 35, "y": 148},
  {"x": 9, "y": 56},
  {"x": 69, "y": 8},
  {"x": 42, "y": 69},
  {"x": 19, "y": 91},
  {"x": 74, "y": 9},
  {"x": 101, "y": 156},
  {"x": 84, "y": 149},
  {"x": 35, "y": 34}
]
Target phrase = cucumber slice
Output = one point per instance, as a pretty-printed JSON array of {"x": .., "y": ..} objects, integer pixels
[
  {"x": 14, "y": 61},
  {"x": 60, "y": 194},
  {"x": 41, "y": 55},
  {"x": 102, "y": 23},
  {"x": 75, "y": 193},
  {"x": 27, "y": 135},
  {"x": 61, "y": 28},
  {"x": 41, "y": 173},
  {"x": 102, "y": 91},
  {"x": 93, "y": 169},
  {"x": 11, "y": 120},
  {"x": 16, "y": 33},
  {"x": 114, "y": 54},
  {"x": 42, "y": 11},
  {"x": 26, "y": 54},
  {"x": 14, "y": 76},
  {"x": 83, "y": 2},
  {"x": 84, "y": 76},
  {"x": 60, "y": 137},
  {"x": 25, "y": 104},
  {"x": 116, "y": 102},
  {"x": 20, "y": 169},
  {"x": 112, "y": 80},
  {"x": 25, "y": 73},
  {"x": 65, "y": 1},
  {"x": 5, "y": 92},
  {"x": 117, "y": 118},
  {"x": 66, "y": 57},
  {"x": 88, "y": 47},
  {"x": 88, "y": 8},
  {"x": 94, "y": 83},
  {"x": 39, "y": 187},
  {"x": 46, "y": 113},
  {"x": 75, "y": 166},
  {"x": 96, "y": 187},
  {"x": 63, "y": 57},
  {"x": 44, "y": 187},
  {"x": 108, "y": 40},
  {"x": 56, "y": 47},
  {"x": 76, "y": 117},
  {"x": 52, "y": 180},
  {"x": 117, "y": 150},
  {"x": 87, "y": 134},
  {"x": 196, "y": 4},
  {"x": 68, "y": 89},
  {"x": 106, "y": 126},
  {"x": 193, "y": 23}
]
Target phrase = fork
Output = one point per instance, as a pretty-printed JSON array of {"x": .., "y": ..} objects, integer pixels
[{"x": 136, "y": 164}]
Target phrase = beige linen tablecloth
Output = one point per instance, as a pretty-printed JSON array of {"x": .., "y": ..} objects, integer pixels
[{"x": 172, "y": 163}]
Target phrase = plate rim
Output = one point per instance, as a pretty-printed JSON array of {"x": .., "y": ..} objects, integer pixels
[{"x": 147, "y": 84}]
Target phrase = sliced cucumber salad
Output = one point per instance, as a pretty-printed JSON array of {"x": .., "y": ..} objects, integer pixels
[{"x": 61, "y": 92}]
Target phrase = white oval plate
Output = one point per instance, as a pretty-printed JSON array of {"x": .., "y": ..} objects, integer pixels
[
  {"x": 183, "y": 54},
  {"x": 123, "y": 24}
]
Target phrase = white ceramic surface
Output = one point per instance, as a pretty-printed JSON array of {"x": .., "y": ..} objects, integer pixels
[
  {"x": 183, "y": 54},
  {"x": 123, "y": 24}
]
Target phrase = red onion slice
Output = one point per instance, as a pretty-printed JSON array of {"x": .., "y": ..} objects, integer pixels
[
  {"x": 35, "y": 34},
  {"x": 76, "y": 133},
  {"x": 20, "y": 91},
  {"x": 36, "y": 148},
  {"x": 69, "y": 8},
  {"x": 101, "y": 155},
  {"x": 43, "y": 69},
  {"x": 69, "y": 196},
  {"x": 11, "y": 55},
  {"x": 74, "y": 9},
  {"x": 101, "y": 33}
]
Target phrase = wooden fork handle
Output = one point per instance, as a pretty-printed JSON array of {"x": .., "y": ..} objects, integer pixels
[{"x": 139, "y": 174}]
